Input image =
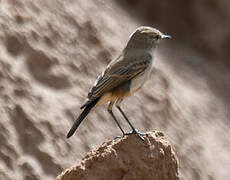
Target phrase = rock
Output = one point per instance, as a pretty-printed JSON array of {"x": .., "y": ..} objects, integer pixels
[{"x": 128, "y": 158}]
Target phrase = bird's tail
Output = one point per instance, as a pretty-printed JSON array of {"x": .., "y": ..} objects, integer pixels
[{"x": 82, "y": 116}]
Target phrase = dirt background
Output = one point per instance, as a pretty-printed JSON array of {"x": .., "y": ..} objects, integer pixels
[{"x": 52, "y": 51}]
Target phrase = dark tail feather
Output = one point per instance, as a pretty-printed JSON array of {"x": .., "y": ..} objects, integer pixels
[{"x": 82, "y": 116}]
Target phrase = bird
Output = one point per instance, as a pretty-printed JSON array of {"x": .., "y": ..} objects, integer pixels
[{"x": 123, "y": 76}]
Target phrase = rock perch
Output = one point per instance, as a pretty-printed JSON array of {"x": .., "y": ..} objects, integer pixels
[{"x": 128, "y": 158}]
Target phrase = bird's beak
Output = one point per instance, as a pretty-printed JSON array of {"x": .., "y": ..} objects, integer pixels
[{"x": 166, "y": 36}]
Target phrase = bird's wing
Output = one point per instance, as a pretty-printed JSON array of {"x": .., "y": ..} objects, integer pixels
[{"x": 119, "y": 72}]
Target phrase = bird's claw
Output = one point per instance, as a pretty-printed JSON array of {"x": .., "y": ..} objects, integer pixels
[
  {"x": 138, "y": 133},
  {"x": 118, "y": 137},
  {"x": 134, "y": 131}
]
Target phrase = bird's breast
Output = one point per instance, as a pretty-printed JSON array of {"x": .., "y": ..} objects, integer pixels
[{"x": 138, "y": 81}]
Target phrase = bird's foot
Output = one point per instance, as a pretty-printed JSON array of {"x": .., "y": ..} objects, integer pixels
[
  {"x": 118, "y": 137},
  {"x": 134, "y": 131},
  {"x": 138, "y": 133}
]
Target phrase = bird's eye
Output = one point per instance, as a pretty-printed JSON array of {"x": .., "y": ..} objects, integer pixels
[{"x": 158, "y": 37}]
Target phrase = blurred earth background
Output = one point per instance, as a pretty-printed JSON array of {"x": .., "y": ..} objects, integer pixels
[{"x": 52, "y": 51}]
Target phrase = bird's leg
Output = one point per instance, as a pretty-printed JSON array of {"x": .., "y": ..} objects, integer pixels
[
  {"x": 134, "y": 131},
  {"x": 115, "y": 119}
]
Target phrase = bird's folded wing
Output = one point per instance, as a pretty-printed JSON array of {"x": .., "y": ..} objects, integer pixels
[{"x": 118, "y": 75}]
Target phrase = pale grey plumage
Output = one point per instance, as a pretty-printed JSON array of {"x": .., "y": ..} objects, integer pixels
[{"x": 124, "y": 75}]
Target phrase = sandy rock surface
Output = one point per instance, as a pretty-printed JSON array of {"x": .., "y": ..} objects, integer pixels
[
  {"x": 50, "y": 55},
  {"x": 128, "y": 158}
]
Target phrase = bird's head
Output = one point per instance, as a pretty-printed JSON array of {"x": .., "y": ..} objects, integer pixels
[{"x": 146, "y": 37}]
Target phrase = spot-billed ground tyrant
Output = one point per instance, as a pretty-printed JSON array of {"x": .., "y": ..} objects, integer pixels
[{"x": 123, "y": 76}]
